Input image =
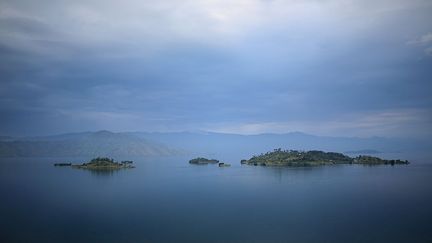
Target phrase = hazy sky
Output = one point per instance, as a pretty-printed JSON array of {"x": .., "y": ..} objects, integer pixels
[{"x": 329, "y": 67}]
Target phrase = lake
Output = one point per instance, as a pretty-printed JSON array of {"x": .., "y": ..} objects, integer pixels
[{"x": 169, "y": 200}]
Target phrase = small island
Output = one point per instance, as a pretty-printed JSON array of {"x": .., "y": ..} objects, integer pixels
[
  {"x": 101, "y": 163},
  {"x": 224, "y": 165},
  {"x": 63, "y": 164},
  {"x": 203, "y": 161},
  {"x": 296, "y": 158}
]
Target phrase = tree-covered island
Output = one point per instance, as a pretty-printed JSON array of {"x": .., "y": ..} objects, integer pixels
[
  {"x": 101, "y": 163},
  {"x": 314, "y": 158},
  {"x": 203, "y": 161}
]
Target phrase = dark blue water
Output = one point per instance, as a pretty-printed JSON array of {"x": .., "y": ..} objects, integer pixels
[{"x": 168, "y": 200}]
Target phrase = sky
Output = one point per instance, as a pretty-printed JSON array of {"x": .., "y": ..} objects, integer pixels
[{"x": 331, "y": 67}]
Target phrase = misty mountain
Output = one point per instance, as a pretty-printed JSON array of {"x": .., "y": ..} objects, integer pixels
[
  {"x": 105, "y": 143},
  {"x": 5, "y": 138},
  {"x": 217, "y": 143},
  {"x": 102, "y": 143}
]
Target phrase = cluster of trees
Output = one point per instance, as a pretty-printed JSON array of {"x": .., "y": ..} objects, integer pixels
[
  {"x": 102, "y": 159},
  {"x": 279, "y": 156},
  {"x": 105, "y": 163},
  {"x": 314, "y": 157},
  {"x": 370, "y": 160},
  {"x": 201, "y": 160}
]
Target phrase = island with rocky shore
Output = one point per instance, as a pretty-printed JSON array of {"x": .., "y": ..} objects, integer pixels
[
  {"x": 203, "y": 161},
  {"x": 296, "y": 158},
  {"x": 100, "y": 163}
]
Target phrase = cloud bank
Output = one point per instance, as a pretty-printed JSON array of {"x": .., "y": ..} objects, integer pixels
[{"x": 247, "y": 66}]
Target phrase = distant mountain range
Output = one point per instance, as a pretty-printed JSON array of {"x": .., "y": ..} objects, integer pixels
[
  {"x": 363, "y": 151},
  {"x": 102, "y": 143},
  {"x": 105, "y": 143},
  {"x": 216, "y": 143}
]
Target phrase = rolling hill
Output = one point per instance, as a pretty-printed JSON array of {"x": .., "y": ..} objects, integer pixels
[{"x": 101, "y": 143}]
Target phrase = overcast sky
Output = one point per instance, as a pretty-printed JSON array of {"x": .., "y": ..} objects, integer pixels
[{"x": 329, "y": 67}]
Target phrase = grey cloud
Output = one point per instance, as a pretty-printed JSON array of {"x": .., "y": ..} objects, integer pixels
[{"x": 163, "y": 65}]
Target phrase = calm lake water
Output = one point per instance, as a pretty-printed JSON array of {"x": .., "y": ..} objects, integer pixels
[{"x": 168, "y": 200}]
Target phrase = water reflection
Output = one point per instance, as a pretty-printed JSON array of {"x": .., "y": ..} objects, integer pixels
[
  {"x": 102, "y": 172},
  {"x": 296, "y": 174}
]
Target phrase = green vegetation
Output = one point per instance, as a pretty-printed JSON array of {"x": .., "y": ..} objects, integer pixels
[
  {"x": 63, "y": 164},
  {"x": 313, "y": 158},
  {"x": 370, "y": 160},
  {"x": 101, "y": 163},
  {"x": 203, "y": 161}
]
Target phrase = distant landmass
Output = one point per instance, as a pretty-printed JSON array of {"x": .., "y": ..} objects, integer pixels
[
  {"x": 89, "y": 144},
  {"x": 109, "y": 144},
  {"x": 216, "y": 144},
  {"x": 296, "y": 158},
  {"x": 5, "y": 138},
  {"x": 363, "y": 151}
]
